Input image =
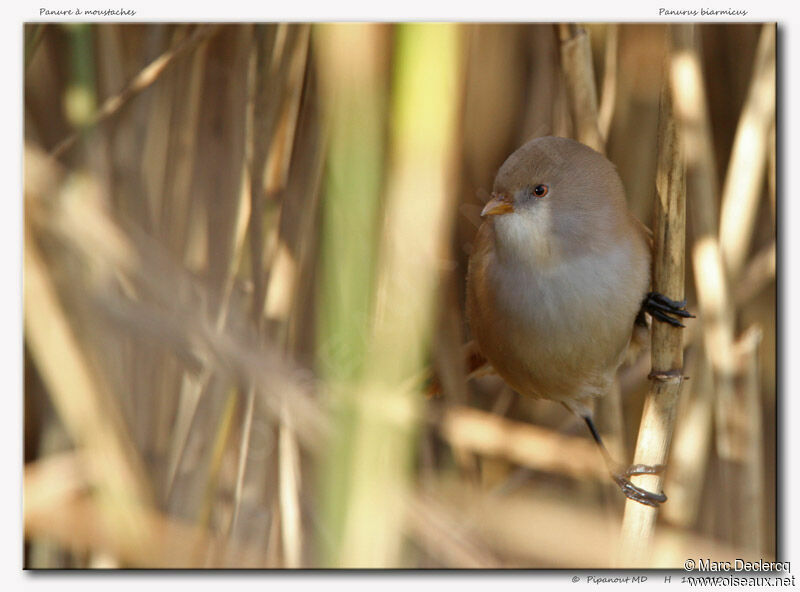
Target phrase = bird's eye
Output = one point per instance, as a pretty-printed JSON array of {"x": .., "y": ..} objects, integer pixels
[{"x": 540, "y": 190}]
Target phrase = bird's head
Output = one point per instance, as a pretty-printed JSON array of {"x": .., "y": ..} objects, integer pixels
[{"x": 554, "y": 196}]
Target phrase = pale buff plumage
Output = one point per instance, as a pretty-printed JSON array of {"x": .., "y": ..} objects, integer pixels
[{"x": 555, "y": 286}]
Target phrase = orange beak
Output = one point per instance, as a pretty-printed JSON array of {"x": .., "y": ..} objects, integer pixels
[{"x": 499, "y": 204}]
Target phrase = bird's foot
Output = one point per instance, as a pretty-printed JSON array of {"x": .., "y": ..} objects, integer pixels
[
  {"x": 634, "y": 492},
  {"x": 660, "y": 308}
]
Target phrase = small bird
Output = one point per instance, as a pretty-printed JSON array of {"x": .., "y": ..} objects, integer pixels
[{"x": 558, "y": 278}]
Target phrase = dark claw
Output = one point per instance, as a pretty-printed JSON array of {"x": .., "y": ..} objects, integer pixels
[
  {"x": 657, "y": 314},
  {"x": 660, "y": 307},
  {"x": 659, "y": 297},
  {"x": 636, "y": 493},
  {"x": 669, "y": 309}
]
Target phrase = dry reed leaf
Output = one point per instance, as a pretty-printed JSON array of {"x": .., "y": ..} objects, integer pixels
[{"x": 528, "y": 445}]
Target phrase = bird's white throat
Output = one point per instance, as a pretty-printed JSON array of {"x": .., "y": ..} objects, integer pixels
[{"x": 525, "y": 238}]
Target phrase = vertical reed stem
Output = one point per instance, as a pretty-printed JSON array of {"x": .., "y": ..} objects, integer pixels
[
  {"x": 658, "y": 418},
  {"x": 576, "y": 62}
]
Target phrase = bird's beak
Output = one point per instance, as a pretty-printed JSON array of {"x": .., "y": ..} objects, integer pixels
[{"x": 499, "y": 204}]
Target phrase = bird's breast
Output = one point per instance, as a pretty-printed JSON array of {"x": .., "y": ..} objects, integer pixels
[{"x": 557, "y": 330}]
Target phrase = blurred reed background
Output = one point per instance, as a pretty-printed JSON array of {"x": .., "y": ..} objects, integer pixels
[{"x": 245, "y": 249}]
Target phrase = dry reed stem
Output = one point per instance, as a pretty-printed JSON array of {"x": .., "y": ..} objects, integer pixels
[
  {"x": 576, "y": 63},
  {"x": 273, "y": 99},
  {"x": 269, "y": 142},
  {"x": 181, "y": 94},
  {"x": 86, "y": 409},
  {"x": 489, "y": 435},
  {"x": 610, "y": 81},
  {"x": 110, "y": 252},
  {"x": 717, "y": 318},
  {"x": 96, "y": 239},
  {"x": 289, "y": 487},
  {"x": 81, "y": 397},
  {"x": 658, "y": 417},
  {"x": 140, "y": 82},
  {"x": 261, "y": 108},
  {"x": 218, "y": 184},
  {"x": 748, "y": 435},
  {"x": 543, "y": 83},
  {"x": 744, "y": 180},
  {"x": 689, "y": 460},
  {"x": 692, "y": 113},
  {"x": 241, "y": 465},
  {"x": 282, "y": 279}
]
